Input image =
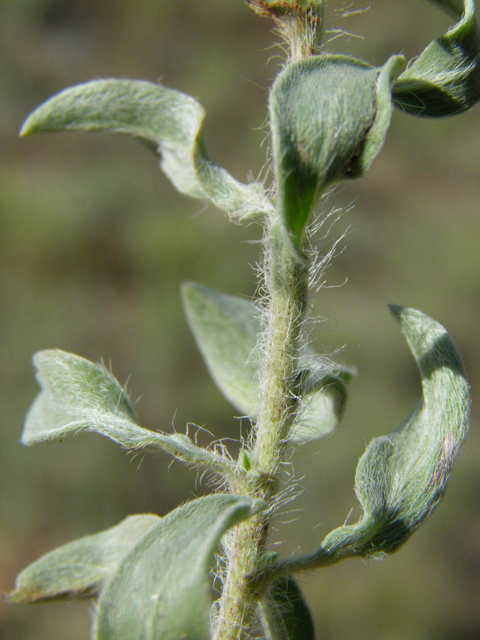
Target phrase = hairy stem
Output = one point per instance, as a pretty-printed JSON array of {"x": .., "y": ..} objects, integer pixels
[{"x": 287, "y": 289}]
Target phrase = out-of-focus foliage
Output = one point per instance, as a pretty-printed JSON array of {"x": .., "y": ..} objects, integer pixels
[{"x": 95, "y": 243}]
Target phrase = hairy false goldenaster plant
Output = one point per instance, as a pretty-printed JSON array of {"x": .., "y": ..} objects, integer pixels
[{"x": 329, "y": 115}]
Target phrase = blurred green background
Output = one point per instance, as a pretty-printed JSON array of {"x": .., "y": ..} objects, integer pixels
[{"x": 95, "y": 243}]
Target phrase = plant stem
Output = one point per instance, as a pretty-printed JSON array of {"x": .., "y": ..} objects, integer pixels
[{"x": 287, "y": 289}]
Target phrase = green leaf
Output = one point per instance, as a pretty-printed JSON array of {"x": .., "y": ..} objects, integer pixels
[
  {"x": 445, "y": 79},
  {"x": 161, "y": 589},
  {"x": 322, "y": 405},
  {"x": 402, "y": 477},
  {"x": 79, "y": 396},
  {"x": 168, "y": 120},
  {"x": 79, "y": 569},
  {"x": 329, "y": 117},
  {"x": 284, "y": 613},
  {"x": 226, "y": 330}
]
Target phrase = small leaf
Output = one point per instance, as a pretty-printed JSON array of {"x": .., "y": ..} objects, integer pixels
[
  {"x": 322, "y": 406},
  {"x": 79, "y": 396},
  {"x": 329, "y": 118},
  {"x": 80, "y": 568},
  {"x": 445, "y": 79},
  {"x": 284, "y": 613},
  {"x": 402, "y": 477},
  {"x": 161, "y": 589},
  {"x": 168, "y": 120},
  {"x": 226, "y": 330}
]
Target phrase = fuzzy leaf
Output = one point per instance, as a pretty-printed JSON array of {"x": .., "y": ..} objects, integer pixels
[
  {"x": 402, "y": 477},
  {"x": 168, "y": 120},
  {"x": 329, "y": 118},
  {"x": 226, "y": 330},
  {"x": 161, "y": 589},
  {"x": 445, "y": 78},
  {"x": 80, "y": 568},
  {"x": 79, "y": 396},
  {"x": 284, "y": 614},
  {"x": 322, "y": 405}
]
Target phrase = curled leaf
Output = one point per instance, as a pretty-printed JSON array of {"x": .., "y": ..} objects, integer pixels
[
  {"x": 329, "y": 117},
  {"x": 402, "y": 477},
  {"x": 161, "y": 589},
  {"x": 168, "y": 120},
  {"x": 80, "y": 568},
  {"x": 445, "y": 78},
  {"x": 78, "y": 395}
]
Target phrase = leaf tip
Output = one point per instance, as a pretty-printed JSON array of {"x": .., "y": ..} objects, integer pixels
[
  {"x": 24, "y": 440},
  {"x": 19, "y": 596},
  {"x": 33, "y": 123},
  {"x": 27, "y": 128},
  {"x": 186, "y": 286},
  {"x": 407, "y": 316},
  {"x": 396, "y": 310}
]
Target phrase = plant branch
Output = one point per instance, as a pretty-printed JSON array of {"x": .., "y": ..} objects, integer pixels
[
  {"x": 180, "y": 446},
  {"x": 287, "y": 289}
]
